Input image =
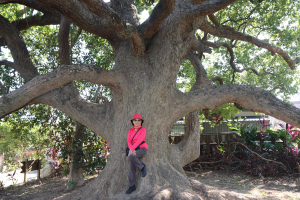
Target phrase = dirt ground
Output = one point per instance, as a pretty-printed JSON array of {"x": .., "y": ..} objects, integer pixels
[
  {"x": 230, "y": 186},
  {"x": 218, "y": 184},
  {"x": 44, "y": 189}
]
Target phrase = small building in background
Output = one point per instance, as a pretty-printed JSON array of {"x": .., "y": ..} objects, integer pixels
[
  {"x": 177, "y": 132},
  {"x": 247, "y": 117}
]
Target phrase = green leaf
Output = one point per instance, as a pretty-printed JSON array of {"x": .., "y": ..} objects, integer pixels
[
  {"x": 279, "y": 147},
  {"x": 222, "y": 148},
  {"x": 268, "y": 145},
  {"x": 282, "y": 134},
  {"x": 267, "y": 138}
]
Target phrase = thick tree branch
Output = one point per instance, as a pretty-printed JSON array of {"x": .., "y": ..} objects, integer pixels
[
  {"x": 221, "y": 32},
  {"x": 68, "y": 100},
  {"x": 109, "y": 27},
  {"x": 52, "y": 80},
  {"x": 101, "y": 9},
  {"x": 202, "y": 80},
  {"x": 131, "y": 22},
  {"x": 188, "y": 149},
  {"x": 126, "y": 10},
  {"x": 249, "y": 97},
  {"x": 15, "y": 42},
  {"x": 63, "y": 40},
  {"x": 96, "y": 17},
  {"x": 75, "y": 107},
  {"x": 213, "y": 19},
  {"x": 32, "y": 4},
  {"x": 109, "y": 16},
  {"x": 200, "y": 47},
  {"x": 136, "y": 41},
  {"x": 47, "y": 19},
  {"x": 65, "y": 59},
  {"x": 205, "y": 8},
  {"x": 161, "y": 11}
]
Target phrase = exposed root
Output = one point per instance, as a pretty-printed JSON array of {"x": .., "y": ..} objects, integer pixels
[
  {"x": 163, "y": 181},
  {"x": 200, "y": 189}
]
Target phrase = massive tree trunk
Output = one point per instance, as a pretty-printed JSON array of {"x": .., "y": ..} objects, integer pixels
[{"x": 143, "y": 80}]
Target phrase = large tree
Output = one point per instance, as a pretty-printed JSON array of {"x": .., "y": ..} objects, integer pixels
[{"x": 147, "y": 58}]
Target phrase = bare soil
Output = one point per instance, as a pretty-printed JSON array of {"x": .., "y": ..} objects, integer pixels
[
  {"x": 44, "y": 189},
  {"x": 237, "y": 185},
  {"x": 215, "y": 184}
]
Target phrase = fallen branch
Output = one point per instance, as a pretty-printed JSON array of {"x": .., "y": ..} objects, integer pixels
[
  {"x": 214, "y": 162},
  {"x": 294, "y": 174},
  {"x": 193, "y": 173},
  {"x": 280, "y": 163},
  {"x": 211, "y": 162}
]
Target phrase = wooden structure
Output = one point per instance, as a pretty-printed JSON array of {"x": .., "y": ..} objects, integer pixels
[
  {"x": 214, "y": 139},
  {"x": 177, "y": 133},
  {"x": 208, "y": 140},
  {"x": 223, "y": 128},
  {"x": 31, "y": 165}
]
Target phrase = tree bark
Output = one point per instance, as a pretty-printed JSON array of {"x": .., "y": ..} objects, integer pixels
[
  {"x": 76, "y": 145},
  {"x": 76, "y": 158},
  {"x": 143, "y": 81},
  {"x": 189, "y": 148}
]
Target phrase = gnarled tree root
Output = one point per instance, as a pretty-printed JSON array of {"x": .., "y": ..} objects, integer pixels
[{"x": 162, "y": 182}]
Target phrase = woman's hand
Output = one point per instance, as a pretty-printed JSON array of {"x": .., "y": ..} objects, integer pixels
[{"x": 131, "y": 152}]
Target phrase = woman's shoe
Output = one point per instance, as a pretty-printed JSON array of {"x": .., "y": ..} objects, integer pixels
[
  {"x": 143, "y": 170},
  {"x": 131, "y": 189}
]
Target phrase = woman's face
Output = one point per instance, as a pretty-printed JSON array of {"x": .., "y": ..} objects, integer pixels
[{"x": 137, "y": 122}]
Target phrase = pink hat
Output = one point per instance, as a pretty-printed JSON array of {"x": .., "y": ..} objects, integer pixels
[{"x": 137, "y": 116}]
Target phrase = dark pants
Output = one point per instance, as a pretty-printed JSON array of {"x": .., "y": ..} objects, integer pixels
[{"x": 135, "y": 163}]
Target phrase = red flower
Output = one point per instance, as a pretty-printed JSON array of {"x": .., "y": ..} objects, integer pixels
[{"x": 264, "y": 123}]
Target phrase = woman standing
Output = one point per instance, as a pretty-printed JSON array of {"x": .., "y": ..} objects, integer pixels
[{"x": 137, "y": 149}]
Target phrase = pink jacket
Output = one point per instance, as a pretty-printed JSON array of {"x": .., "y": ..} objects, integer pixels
[{"x": 137, "y": 140}]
